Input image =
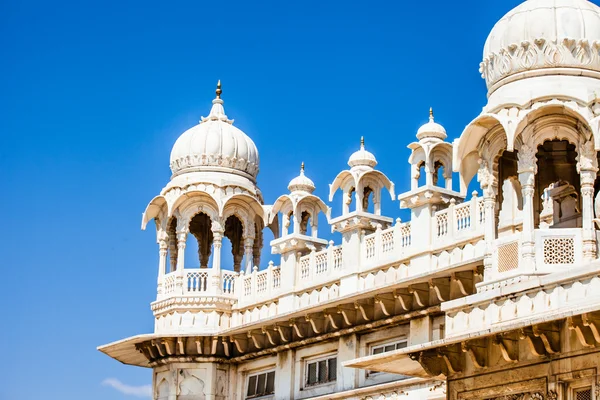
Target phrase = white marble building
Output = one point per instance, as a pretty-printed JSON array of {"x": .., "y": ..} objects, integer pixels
[{"x": 498, "y": 298}]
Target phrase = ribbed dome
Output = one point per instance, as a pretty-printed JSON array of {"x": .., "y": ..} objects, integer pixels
[
  {"x": 301, "y": 183},
  {"x": 540, "y": 34},
  {"x": 362, "y": 158},
  {"x": 215, "y": 144},
  {"x": 431, "y": 129}
]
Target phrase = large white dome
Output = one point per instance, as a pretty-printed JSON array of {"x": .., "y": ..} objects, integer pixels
[
  {"x": 542, "y": 34},
  {"x": 215, "y": 145}
]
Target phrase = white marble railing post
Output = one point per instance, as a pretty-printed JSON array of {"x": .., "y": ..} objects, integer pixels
[
  {"x": 312, "y": 264},
  {"x": 527, "y": 168},
  {"x": 397, "y": 236},
  {"x": 433, "y": 222},
  {"x": 474, "y": 211},
  {"x": 253, "y": 282},
  {"x": 330, "y": 257},
  {"x": 378, "y": 246},
  {"x": 452, "y": 226},
  {"x": 238, "y": 286},
  {"x": 270, "y": 279},
  {"x": 587, "y": 167},
  {"x": 180, "y": 275}
]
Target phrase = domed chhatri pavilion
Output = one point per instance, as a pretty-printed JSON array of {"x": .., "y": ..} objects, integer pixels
[{"x": 498, "y": 298}]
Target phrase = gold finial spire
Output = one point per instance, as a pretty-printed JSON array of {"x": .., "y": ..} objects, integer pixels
[
  {"x": 430, "y": 112},
  {"x": 362, "y": 141},
  {"x": 219, "y": 91},
  {"x": 302, "y": 167}
]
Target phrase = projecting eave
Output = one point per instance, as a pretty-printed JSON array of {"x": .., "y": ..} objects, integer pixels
[
  {"x": 124, "y": 350},
  {"x": 396, "y": 362},
  {"x": 406, "y": 361}
]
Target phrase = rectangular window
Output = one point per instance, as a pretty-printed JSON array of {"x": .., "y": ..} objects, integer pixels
[
  {"x": 583, "y": 394},
  {"x": 384, "y": 348},
  {"x": 321, "y": 371},
  {"x": 261, "y": 384}
]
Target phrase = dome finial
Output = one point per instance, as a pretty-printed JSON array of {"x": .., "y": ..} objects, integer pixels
[
  {"x": 362, "y": 142},
  {"x": 302, "y": 168},
  {"x": 219, "y": 91},
  {"x": 431, "y": 113}
]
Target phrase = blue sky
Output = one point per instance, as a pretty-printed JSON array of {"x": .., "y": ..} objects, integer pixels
[{"x": 94, "y": 94}]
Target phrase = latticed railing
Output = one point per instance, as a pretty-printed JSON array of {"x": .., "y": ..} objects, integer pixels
[
  {"x": 441, "y": 223},
  {"x": 169, "y": 283},
  {"x": 261, "y": 282},
  {"x": 321, "y": 262},
  {"x": 370, "y": 246},
  {"x": 405, "y": 235},
  {"x": 337, "y": 258},
  {"x": 462, "y": 216},
  {"x": 304, "y": 267},
  {"x": 247, "y": 285},
  {"x": 459, "y": 220},
  {"x": 228, "y": 280},
  {"x": 387, "y": 240},
  {"x": 277, "y": 278},
  {"x": 196, "y": 281}
]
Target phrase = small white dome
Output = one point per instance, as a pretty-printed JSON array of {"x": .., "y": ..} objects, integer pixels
[
  {"x": 301, "y": 183},
  {"x": 540, "y": 34},
  {"x": 362, "y": 158},
  {"x": 431, "y": 129},
  {"x": 215, "y": 144}
]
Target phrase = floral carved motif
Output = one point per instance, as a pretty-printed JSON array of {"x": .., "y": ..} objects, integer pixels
[
  {"x": 587, "y": 159},
  {"x": 197, "y": 160},
  {"x": 539, "y": 54},
  {"x": 485, "y": 177},
  {"x": 527, "y": 161}
]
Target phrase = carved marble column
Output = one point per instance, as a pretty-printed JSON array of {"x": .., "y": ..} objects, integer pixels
[
  {"x": 587, "y": 166},
  {"x": 179, "y": 278},
  {"x": 285, "y": 224},
  {"x": 248, "y": 248},
  {"x": 163, "y": 247},
  {"x": 488, "y": 185},
  {"x": 527, "y": 169},
  {"x": 217, "y": 231}
]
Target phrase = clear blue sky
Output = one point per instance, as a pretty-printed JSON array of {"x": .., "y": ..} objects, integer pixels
[{"x": 94, "y": 94}]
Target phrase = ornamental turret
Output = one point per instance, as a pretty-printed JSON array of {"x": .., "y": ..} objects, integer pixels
[
  {"x": 431, "y": 179},
  {"x": 362, "y": 186},
  {"x": 211, "y": 197}
]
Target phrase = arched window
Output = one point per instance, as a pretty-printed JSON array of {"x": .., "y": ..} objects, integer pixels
[
  {"x": 201, "y": 234},
  {"x": 367, "y": 203},
  {"x": 421, "y": 176},
  {"x": 305, "y": 223},
  {"x": 438, "y": 174},
  {"x": 234, "y": 232}
]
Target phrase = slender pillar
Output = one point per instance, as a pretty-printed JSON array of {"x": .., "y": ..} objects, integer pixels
[
  {"x": 248, "y": 247},
  {"x": 163, "y": 247},
  {"x": 527, "y": 168},
  {"x": 488, "y": 185},
  {"x": 588, "y": 170},
  {"x": 181, "y": 238},
  {"x": 217, "y": 231}
]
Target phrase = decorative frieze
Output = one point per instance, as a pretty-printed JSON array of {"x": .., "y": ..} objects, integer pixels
[{"x": 540, "y": 54}]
